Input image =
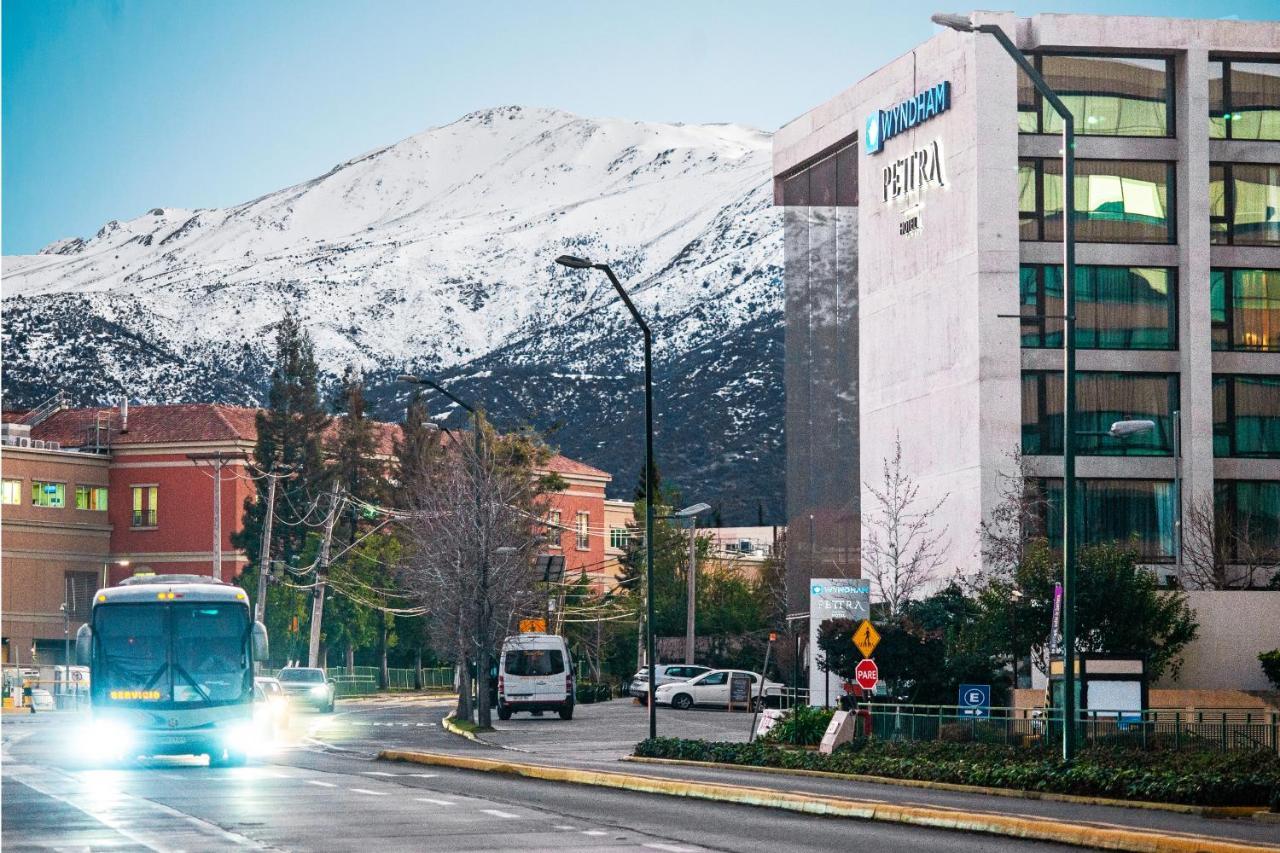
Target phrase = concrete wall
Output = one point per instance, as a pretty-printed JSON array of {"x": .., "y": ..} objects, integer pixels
[{"x": 1234, "y": 628}]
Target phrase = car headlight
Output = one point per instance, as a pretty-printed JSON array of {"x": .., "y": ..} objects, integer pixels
[
  {"x": 320, "y": 690},
  {"x": 245, "y": 738}
]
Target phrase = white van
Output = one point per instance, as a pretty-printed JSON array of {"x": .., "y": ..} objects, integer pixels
[{"x": 535, "y": 673}]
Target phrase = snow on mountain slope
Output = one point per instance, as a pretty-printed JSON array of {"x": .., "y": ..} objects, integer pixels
[{"x": 436, "y": 252}]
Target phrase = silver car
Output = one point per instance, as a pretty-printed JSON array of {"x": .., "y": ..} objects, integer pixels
[{"x": 667, "y": 673}]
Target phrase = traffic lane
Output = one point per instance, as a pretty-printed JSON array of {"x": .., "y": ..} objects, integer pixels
[{"x": 36, "y": 821}]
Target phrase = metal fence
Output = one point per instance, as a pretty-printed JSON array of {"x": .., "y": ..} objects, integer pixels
[
  {"x": 1182, "y": 729},
  {"x": 363, "y": 680}
]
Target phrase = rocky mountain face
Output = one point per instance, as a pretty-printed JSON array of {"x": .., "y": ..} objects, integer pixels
[{"x": 436, "y": 255}]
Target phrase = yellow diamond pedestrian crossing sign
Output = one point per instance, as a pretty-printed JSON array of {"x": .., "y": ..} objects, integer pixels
[{"x": 866, "y": 638}]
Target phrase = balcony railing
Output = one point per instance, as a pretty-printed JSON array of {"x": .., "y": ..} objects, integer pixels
[{"x": 144, "y": 518}]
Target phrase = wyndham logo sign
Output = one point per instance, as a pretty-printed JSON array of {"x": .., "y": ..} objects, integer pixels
[{"x": 883, "y": 125}]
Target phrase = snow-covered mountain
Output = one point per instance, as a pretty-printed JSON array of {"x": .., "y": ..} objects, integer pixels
[{"x": 437, "y": 254}]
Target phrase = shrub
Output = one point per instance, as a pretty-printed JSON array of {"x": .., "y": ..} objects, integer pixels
[
  {"x": 586, "y": 692},
  {"x": 1271, "y": 666},
  {"x": 1196, "y": 777},
  {"x": 802, "y": 725}
]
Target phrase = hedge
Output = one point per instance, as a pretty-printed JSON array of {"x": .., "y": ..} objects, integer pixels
[
  {"x": 1191, "y": 777},
  {"x": 586, "y": 692}
]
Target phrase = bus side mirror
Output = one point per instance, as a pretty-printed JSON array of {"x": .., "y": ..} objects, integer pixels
[
  {"x": 260, "y": 647},
  {"x": 84, "y": 645}
]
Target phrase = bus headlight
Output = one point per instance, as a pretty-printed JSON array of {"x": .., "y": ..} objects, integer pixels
[{"x": 105, "y": 739}]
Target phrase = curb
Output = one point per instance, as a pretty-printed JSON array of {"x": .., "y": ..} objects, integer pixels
[
  {"x": 1015, "y": 793},
  {"x": 448, "y": 725},
  {"x": 1081, "y": 835}
]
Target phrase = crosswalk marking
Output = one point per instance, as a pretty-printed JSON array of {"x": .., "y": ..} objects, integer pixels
[
  {"x": 499, "y": 813},
  {"x": 321, "y": 784},
  {"x": 434, "y": 802},
  {"x": 370, "y": 793},
  {"x": 379, "y": 773},
  {"x": 595, "y": 832},
  {"x": 670, "y": 848}
]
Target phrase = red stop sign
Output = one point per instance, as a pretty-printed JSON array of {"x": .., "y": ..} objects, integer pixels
[{"x": 867, "y": 674}]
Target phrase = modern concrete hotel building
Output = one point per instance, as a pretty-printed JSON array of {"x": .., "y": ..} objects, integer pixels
[{"x": 924, "y": 265}]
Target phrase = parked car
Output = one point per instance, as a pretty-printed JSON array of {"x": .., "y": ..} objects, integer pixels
[
  {"x": 275, "y": 699},
  {"x": 535, "y": 673},
  {"x": 712, "y": 688},
  {"x": 666, "y": 673},
  {"x": 307, "y": 685}
]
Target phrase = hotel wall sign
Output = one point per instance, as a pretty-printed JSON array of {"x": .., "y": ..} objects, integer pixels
[
  {"x": 907, "y": 176},
  {"x": 883, "y": 125}
]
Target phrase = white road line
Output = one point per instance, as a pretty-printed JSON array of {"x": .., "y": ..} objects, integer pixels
[
  {"x": 321, "y": 784},
  {"x": 498, "y": 813},
  {"x": 595, "y": 832},
  {"x": 370, "y": 793},
  {"x": 424, "y": 775},
  {"x": 379, "y": 773},
  {"x": 670, "y": 848},
  {"x": 434, "y": 802},
  {"x": 562, "y": 826}
]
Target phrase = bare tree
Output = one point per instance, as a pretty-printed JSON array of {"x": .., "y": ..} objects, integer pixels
[
  {"x": 1222, "y": 552},
  {"x": 474, "y": 535},
  {"x": 1017, "y": 519},
  {"x": 902, "y": 551}
]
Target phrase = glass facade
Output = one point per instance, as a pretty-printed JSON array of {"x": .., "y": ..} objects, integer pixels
[
  {"x": 91, "y": 498},
  {"x": 1244, "y": 100},
  {"x": 1141, "y": 513},
  {"x": 820, "y": 244},
  {"x": 1244, "y": 204},
  {"x": 1245, "y": 309},
  {"x": 1252, "y": 508},
  {"x": 48, "y": 494},
  {"x": 1246, "y": 416},
  {"x": 1116, "y": 307},
  {"x": 1117, "y": 201},
  {"x": 1102, "y": 398},
  {"x": 1107, "y": 95}
]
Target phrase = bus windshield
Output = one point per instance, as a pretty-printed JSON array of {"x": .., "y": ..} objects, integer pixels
[{"x": 180, "y": 653}]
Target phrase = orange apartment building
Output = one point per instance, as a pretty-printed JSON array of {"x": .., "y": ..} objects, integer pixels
[{"x": 92, "y": 496}]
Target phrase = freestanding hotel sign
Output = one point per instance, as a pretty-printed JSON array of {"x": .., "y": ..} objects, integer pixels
[
  {"x": 883, "y": 125},
  {"x": 832, "y": 598}
]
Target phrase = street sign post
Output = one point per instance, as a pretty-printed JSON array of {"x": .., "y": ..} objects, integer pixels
[
  {"x": 867, "y": 674},
  {"x": 975, "y": 700},
  {"x": 866, "y": 638}
]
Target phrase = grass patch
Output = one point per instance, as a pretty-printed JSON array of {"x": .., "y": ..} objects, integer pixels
[
  {"x": 1193, "y": 777},
  {"x": 469, "y": 727}
]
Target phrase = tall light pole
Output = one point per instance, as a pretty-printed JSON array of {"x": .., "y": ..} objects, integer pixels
[
  {"x": 649, "y": 474},
  {"x": 965, "y": 24},
  {"x": 691, "y": 610}
]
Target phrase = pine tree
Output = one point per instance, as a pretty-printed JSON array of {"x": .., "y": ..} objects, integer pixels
[{"x": 417, "y": 447}]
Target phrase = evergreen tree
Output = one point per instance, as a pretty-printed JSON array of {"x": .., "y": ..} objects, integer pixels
[{"x": 417, "y": 447}]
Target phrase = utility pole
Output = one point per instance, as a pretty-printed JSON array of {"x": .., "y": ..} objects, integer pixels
[
  {"x": 218, "y": 461},
  {"x": 264, "y": 558},
  {"x": 692, "y": 609},
  {"x": 322, "y": 572}
]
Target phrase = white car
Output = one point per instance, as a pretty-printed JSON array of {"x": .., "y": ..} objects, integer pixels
[
  {"x": 666, "y": 673},
  {"x": 712, "y": 688}
]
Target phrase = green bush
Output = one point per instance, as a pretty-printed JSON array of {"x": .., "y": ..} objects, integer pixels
[
  {"x": 586, "y": 692},
  {"x": 1271, "y": 666},
  {"x": 1196, "y": 777},
  {"x": 803, "y": 725}
]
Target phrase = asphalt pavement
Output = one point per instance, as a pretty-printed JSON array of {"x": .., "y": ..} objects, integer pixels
[{"x": 324, "y": 789}]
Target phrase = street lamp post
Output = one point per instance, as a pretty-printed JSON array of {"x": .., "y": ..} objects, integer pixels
[
  {"x": 581, "y": 264},
  {"x": 691, "y": 610},
  {"x": 964, "y": 23}
]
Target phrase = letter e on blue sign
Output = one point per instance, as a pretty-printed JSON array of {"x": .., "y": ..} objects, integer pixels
[{"x": 975, "y": 700}]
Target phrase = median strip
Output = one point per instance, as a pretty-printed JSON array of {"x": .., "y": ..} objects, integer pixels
[{"x": 1103, "y": 837}]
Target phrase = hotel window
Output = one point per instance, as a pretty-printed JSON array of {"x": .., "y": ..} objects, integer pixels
[
  {"x": 1246, "y": 416},
  {"x": 1244, "y": 204},
  {"x": 1117, "y": 201},
  {"x": 1244, "y": 100},
  {"x": 12, "y": 492},
  {"x": 582, "y": 531},
  {"x": 1107, "y": 95},
  {"x": 146, "y": 501},
  {"x": 92, "y": 498},
  {"x": 619, "y": 538},
  {"x": 1101, "y": 400},
  {"x": 1116, "y": 307},
  {"x": 80, "y": 587},
  {"x": 1245, "y": 309},
  {"x": 1140, "y": 513},
  {"x": 48, "y": 494},
  {"x": 829, "y": 182},
  {"x": 1250, "y": 509},
  {"x": 554, "y": 529}
]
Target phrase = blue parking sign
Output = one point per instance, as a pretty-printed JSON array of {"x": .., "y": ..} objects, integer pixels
[{"x": 975, "y": 700}]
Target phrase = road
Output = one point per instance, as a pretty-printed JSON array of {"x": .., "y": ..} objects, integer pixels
[{"x": 324, "y": 789}]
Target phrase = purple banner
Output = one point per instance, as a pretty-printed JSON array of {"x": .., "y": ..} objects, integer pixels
[{"x": 1055, "y": 645}]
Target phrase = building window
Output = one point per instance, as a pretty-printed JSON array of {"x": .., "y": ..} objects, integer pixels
[
  {"x": 146, "y": 500},
  {"x": 1107, "y": 95},
  {"x": 1246, "y": 416},
  {"x": 1250, "y": 512},
  {"x": 1117, "y": 201},
  {"x": 80, "y": 587},
  {"x": 1116, "y": 307},
  {"x": 48, "y": 494},
  {"x": 1244, "y": 204},
  {"x": 555, "y": 530},
  {"x": 12, "y": 492},
  {"x": 1245, "y": 308},
  {"x": 619, "y": 538},
  {"x": 1140, "y": 513},
  {"x": 829, "y": 182},
  {"x": 1244, "y": 100},
  {"x": 91, "y": 497},
  {"x": 582, "y": 531},
  {"x": 1101, "y": 400}
]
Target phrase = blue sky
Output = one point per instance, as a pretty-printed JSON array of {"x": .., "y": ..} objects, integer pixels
[{"x": 111, "y": 107}]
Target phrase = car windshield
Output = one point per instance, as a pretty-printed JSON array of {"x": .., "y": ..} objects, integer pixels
[
  {"x": 313, "y": 676},
  {"x": 534, "y": 662}
]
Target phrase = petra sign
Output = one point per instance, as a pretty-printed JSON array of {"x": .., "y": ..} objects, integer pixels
[
  {"x": 909, "y": 175},
  {"x": 883, "y": 125}
]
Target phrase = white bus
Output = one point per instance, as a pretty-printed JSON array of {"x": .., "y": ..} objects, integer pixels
[{"x": 171, "y": 662}]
